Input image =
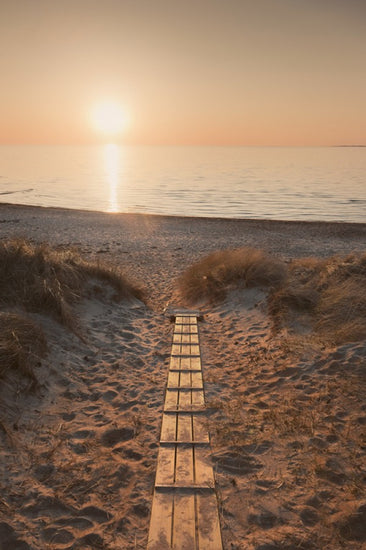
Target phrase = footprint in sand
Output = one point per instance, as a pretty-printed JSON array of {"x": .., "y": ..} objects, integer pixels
[
  {"x": 46, "y": 506},
  {"x": 91, "y": 409},
  {"x": 57, "y": 536},
  {"x": 92, "y": 540},
  {"x": 110, "y": 438},
  {"x": 43, "y": 473},
  {"x": 309, "y": 516},
  {"x": 235, "y": 460},
  {"x": 109, "y": 395},
  {"x": 96, "y": 514},
  {"x": 67, "y": 417},
  {"x": 128, "y": 453},
  {"x": 354, "y": 526},
  {"x": 265, "y": 519},
  {"x": 124, "y": 405},
  {"x": 8, "y": 538}
]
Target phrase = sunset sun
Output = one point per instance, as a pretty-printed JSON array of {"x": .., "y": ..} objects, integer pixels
[{"x": 109, "y": 118}]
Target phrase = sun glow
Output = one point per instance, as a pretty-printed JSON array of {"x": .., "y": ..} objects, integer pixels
[{"x": 109, "y": 118}]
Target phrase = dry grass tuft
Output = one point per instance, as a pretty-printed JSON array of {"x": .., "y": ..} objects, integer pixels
[
  {"x": 322, "y": 297},
  {"x": 37, "y": 278},
  {"x": 41, "y": 279},
  {"x": 212, "y": 277},
  {"x": 331, "y": 292},
  {"x": 22, "y": 344}
]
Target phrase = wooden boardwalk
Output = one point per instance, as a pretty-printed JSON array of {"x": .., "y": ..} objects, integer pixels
[{"x": 184, "y": 512}]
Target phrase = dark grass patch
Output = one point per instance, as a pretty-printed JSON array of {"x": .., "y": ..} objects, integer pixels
[
  {"x": 41, "y": 279},
  {"x": 214, "y": 275},
  {"x": 331, "y": 292},
  {"x": 22, "y": 345}
]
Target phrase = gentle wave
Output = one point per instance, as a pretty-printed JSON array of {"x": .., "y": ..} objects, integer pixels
[
  {"x": 15, "y": 192},
  {"x": 236, "y": 182}
]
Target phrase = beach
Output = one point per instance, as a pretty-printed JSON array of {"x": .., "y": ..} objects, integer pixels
[{"x": 287, "y": 414}]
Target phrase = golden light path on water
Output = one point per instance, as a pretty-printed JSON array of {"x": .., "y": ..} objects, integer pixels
[{"x": 112, "y": 166}]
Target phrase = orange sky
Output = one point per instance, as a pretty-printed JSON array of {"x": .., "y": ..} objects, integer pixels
[{"x": 258, "y": 72}]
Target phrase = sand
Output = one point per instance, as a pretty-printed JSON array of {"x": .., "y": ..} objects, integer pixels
[{"x": 287, "y": 419}]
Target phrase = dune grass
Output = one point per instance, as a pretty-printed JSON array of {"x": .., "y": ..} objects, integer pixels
[
  {"x": 40, "y": 279},
  {"x": 213, "y": 276},
  {"x": 22, "y": 345},
  {"x": 330, "y": 293}
]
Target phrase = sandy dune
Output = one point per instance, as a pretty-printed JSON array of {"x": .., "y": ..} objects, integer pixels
[{"x": 287, "y": 421}]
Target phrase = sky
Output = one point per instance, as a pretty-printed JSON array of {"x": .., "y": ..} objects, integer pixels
[{"x": 184, "y": 72}]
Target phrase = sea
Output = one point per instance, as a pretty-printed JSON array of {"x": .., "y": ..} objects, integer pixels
[{"x": 280, "y": 183}]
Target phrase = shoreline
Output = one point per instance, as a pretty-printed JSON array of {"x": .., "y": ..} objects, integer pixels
[{"x": 174, "y": 216}]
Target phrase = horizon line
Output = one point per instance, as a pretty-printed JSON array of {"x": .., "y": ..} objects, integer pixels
[{"x": 120, "y": 143}]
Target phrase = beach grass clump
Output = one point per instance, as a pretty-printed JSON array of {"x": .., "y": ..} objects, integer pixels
[
  {"x": 341, "y": 312},
  {"x": 224, "y": 270},
  {"x": 41, "y": 279},
  {"x": 22, "y": 345},
  {"x": 331, "y": 292}
]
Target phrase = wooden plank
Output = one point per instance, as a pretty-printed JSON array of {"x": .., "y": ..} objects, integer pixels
[
  {"x": 176, "y": 349},
  {"x": 161, "y": 522},
  {"x": 184, "y": 428},
  {"x": 198, "y": 398},
  {"x": 185, "y": 320},
  {"x": 169, "y": 427},
  {"x": 185, "y": 380},
  {"x": 196, "y": 363},
  {"x": 196, "y": 378},
  {"x": 209, "y": 535},
  {"x": 166, "y": 466},
  {"x": 184, "y": 467},
  {"x": 185, "y": 338},
  {"x": 171, "y": 399},
  {"x": 200, "y": 432},
  {"x": 194, "y": 349},
  {"x": 191, "y": 329},
  {"x": 185, "y": 400},
  {"x": 203, "y": 469},
  {"x": 185, "y": 363},
  {"x": 184, "y": 523},
  {"x": 173, "y": 379},
  {"x": 174, "y": 362}
]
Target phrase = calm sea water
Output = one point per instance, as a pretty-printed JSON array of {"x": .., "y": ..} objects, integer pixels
[{"x": 239, "y": 182}]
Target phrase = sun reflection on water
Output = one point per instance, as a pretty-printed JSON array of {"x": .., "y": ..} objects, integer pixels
[{"x": 112, "y": 165}]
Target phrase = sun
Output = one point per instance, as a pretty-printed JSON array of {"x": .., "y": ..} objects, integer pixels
[{"x": 109, "y": 118}]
